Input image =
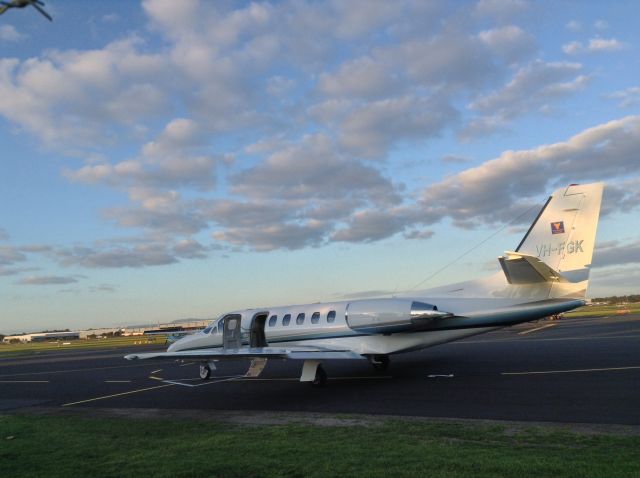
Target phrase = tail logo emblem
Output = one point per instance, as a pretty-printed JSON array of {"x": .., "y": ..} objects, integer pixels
[{"x": 557, "y": 227}]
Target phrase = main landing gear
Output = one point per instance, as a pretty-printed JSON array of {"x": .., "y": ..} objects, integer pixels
[
  {"x": 320, "y": 379},
  {"x": 379, "y": 362},
  {"x": 206, "y": 368},
  {"x": 313, "y": 373}
]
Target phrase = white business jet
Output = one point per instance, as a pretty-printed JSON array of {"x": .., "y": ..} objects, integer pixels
[{"x": 547, "y": 274}]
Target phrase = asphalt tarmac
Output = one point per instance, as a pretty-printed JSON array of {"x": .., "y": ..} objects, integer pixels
[{"x": 584, "y": 370}]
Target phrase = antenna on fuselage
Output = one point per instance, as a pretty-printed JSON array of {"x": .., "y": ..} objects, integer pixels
[{"x": 469, "y": 251}]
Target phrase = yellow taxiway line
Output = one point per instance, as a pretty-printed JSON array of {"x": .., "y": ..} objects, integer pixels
[{"x": 536, "y": 329}]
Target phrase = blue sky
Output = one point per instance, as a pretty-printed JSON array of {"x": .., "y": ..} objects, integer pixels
[{"x": 168, "y": 159}]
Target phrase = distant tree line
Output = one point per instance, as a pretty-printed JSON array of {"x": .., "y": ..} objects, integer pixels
[{"x": 617, "y": 299}]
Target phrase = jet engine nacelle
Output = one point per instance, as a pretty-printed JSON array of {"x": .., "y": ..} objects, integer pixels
[{"x": 385, "y": 316}]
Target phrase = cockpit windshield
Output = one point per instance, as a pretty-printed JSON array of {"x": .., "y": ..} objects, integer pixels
[{"x": 214, "y": 327}]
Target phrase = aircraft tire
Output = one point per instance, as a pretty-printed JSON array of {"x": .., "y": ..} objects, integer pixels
[
  {"x": 321, "y": 377},
  {"x": 205, "y": 371}
]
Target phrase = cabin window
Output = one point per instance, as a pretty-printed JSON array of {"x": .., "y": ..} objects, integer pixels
[
  {"x": 286, "y": 319},
  {"x": 273, "y": 320},
  {"x": 207, "y": 330},
  {"x": 315, "y": 318},
  {"x": 331, "y": 316},
  {"x": 300, "y": 319}
]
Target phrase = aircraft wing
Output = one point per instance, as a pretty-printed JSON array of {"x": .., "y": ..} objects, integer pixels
[{"x": 218, "y": 353}]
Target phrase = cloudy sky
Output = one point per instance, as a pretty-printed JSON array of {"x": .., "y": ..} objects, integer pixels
[{"x": 175, "y": 159}]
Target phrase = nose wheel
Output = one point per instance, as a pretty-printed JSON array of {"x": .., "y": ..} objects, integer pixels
[{"x": 205, "y": 371}]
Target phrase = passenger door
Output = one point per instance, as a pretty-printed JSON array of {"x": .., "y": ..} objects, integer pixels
[{"x": 232, "y": 338}]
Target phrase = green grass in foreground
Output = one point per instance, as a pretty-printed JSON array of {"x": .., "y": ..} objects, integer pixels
[{"x": 70, "y": 446}]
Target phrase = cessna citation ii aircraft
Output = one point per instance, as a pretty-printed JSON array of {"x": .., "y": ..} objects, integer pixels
[{"x": 547, "y": 274}]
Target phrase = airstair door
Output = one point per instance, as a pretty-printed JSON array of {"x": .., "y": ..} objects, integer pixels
[{"x": 231, "y": 336}]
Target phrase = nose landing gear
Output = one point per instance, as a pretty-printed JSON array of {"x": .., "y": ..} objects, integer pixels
[{"x": 205, "y": 371}]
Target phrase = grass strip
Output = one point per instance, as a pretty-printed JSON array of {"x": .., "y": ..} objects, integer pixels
[
  {"x": 33, "y": 446},
  {"x": 92, "y": 344},
  {"x": 600, "y": 310}
]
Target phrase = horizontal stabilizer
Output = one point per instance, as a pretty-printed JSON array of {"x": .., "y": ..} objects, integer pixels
[{"x": 522, "y": 268}]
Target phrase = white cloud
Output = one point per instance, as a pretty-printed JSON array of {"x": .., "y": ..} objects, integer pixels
[
  {"x": 616, "y": 253},
  {"x": 370, "y": 131},
  {"x": 275, "y": 236},
  {"x": 573, "y": 48},
  {"x": 502, "y": 9},
  {"x": 12, "y": 271},
  {"x": 46, "y": 280},
  {"x": 601, "y": 25},
  {"x": 500, "y": 189},
  {"x": 312, "y": 169},
  {"x": 531, "y": 88},
  {"x": 80, "y": 98},
  {"x": 9, "y": 255},
  {"x": 449, "y": 58},
  {"x": 283, "y": 105},
  {"x": 615, "y": 280},
  {"x": 359, "y": 78},
  {"x": 137, "y": 256},
  {"x": 510, "y": 42},
  {"x": 574, "y": 25},
  {"x": 595, "y": 45},
  {"x": 371, "y": 225},
  {"x": 178, "y": 158},
  {"x": 10, "y": 34},
  {"x": 604, "y": 44},
  {"x": 627, "y": 97}
]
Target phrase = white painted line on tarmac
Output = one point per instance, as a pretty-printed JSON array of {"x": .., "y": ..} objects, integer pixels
[
  {"x": 156, "y": 371},
  {"x": 208, "y": 382},
  {"x": 579, "y": 370},
  {"x": 536, "y": 329},
  {"x": 73, "y": 370},
  {"x": 24, "y": 381},
  {"x": 116, "y": 395},
  {"x": 155, "y": 378},
  {"x": 556, "y": 339},
  {"x": 450, "y": 375}
]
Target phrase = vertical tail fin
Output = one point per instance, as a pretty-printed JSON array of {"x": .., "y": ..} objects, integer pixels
[{"x": 563, "y": 236}]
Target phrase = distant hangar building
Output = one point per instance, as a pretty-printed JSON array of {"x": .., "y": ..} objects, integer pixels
[{"x": 42, "y": 337}]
